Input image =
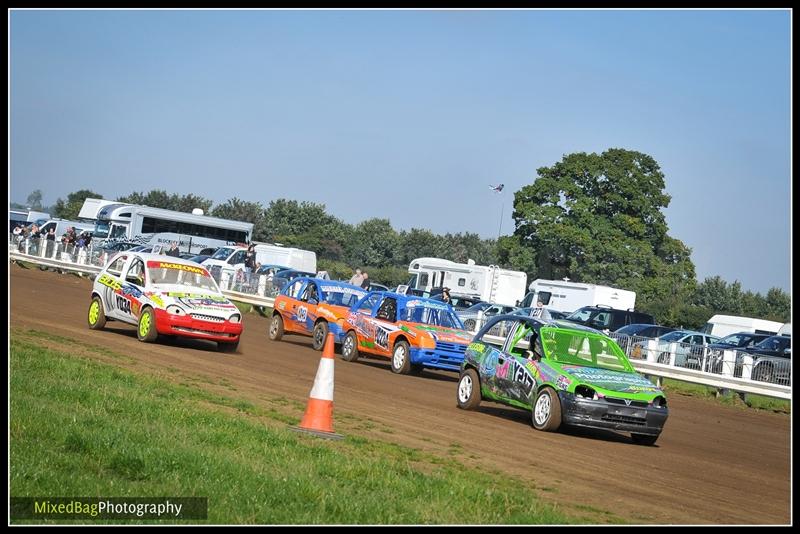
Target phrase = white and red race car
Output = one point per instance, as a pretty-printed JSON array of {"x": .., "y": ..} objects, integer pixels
[{"x": 164, "y": 295}]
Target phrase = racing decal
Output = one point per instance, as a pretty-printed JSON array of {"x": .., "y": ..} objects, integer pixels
[
  {"x": 131, "y": 290},
  {"x": 521, "y": 375},
  {"x": 282, "y": 305},
  {"x": 123, "y": 304},
  {"x": 155, "y": 298},
  {"x": 427, "y": 304},
  {"x": 178, "y": 266},
  {"x": 489, "y": 363},
  {"x": 407, "y": 330},
  {"x": 325, "y": 312},
  {"x": 109, "y": 281},
  {"x": 341, "y": 289},
  {"x": 302, "y": 313},
  {"x": 206, "y": 303},
  {"x": 214, "y": 298},
  {"x": 382, "y": 337},
  {"x": 562, "y": 382},
  {"x": 480, "y": 348},
  {"x": 502, "y": 371},
  {"x": 612, "y": 380}
]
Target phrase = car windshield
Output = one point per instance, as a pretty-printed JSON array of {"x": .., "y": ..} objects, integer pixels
[
  {"x": 222, "y": 253},
  {"x": 586, "y": 349},
  {"x": 341, "y": 295},
  {"x": 581, "y": 315},
  {"x": 673, "y": 336},
  {"x": 481, "y": 306},
  {"x": 417, "y": 311},
  {"x": 776, "y": 343},
  {"x": 171, "y": 273}
]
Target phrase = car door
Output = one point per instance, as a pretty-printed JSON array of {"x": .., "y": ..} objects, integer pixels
[
  {"x": 384, "y": 322},
  {"x": 307, "y": 307},
  {"x": 513, "y": 376},
  {"x": 129, "y": 298},
  {"x": 112, "y": 281},
  {"x": 489, "y": 350},
  {"x": 295, "y": 312},
  {"x": 360, "y": 319}
]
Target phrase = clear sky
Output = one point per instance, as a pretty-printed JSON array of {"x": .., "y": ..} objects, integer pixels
[{"x": 410, "y": 115}]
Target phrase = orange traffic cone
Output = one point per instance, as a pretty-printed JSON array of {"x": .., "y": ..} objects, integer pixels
[{"x": 318, "y": 419}]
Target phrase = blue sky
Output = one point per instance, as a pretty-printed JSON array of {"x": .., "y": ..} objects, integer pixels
[{"x": 416, "y": 112}]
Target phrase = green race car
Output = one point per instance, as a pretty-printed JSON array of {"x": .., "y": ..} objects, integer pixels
[{"x": 563, "y": 373}]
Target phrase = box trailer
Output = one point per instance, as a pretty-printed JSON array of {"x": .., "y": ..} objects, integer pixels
[
  {"x": 724, "y": 325},
  {"x": 566, "y": 296}
]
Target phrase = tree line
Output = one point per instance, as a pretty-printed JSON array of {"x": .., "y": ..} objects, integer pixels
[{"x": 592, "y": 218}]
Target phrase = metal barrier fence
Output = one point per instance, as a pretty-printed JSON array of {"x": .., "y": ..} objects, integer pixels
[{"x": 723, "y": 369}]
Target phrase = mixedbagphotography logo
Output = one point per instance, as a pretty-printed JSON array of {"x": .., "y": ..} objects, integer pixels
[{"x": 109, "y": 508}]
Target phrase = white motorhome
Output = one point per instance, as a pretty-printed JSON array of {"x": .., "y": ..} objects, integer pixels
[
  {"x": 489, "y": 283},
  {"x": 293, "y": 258},
  {"x": 723, "y": 325},
  {"x": 566, "y": 296},
  {"x": 155, "y": 226}
]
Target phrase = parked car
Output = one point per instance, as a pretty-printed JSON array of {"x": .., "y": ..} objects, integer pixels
[
  {"x": 633, "y": 335},
  {"x": 413, "y": 332},
  {"x": 197, "y": 258},
  {"x": 282, "y": 278},
  {"x": 608, "y": 319},
  {"x": 374, "y": 286},
  {"x": 164, "y": 295},
  {"x": 772, "y": 359},
  {"x": 313, "y": 307},
  {"x": 564, "y": 374},
  {"x": 689, "y": 350},
  {"x": 737, "y": 342},
  {"x": 469, "y": 316},
  {"x": 457, "y": 300}
]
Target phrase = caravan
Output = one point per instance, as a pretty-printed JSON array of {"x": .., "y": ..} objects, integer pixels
[
  {"x": 723, "y": 325},
  {"x": 566, "y": 296},
  {"x": 489, "y": 283}
]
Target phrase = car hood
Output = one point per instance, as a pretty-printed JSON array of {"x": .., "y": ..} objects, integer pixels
[
  {"x": 606, "y": 380},
  {"x": 199, "y": 302}
]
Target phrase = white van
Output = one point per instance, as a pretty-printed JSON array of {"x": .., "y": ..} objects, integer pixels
[
  {"x": 565, "y": 296},
  {"x": 61, "y": 226},
  {"x": 723, "y": 325}
]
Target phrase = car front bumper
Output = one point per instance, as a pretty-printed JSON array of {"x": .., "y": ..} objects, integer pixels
[
  {"x": 602, "y": 414},
  {"x": 188, "y": 326}
]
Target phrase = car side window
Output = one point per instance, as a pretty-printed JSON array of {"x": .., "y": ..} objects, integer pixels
[
  {"x": 387, "y": 310},
  {"x": 310, "y": 294},
  {"x": 136, "y": 273},
  {"x": 497, "y": 334},
  {"x": 294, "y": 289},
  {"x": 116, "y": 266}
]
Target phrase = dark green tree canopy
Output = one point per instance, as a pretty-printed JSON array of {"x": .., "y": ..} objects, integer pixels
[
  {"x": 597, "y": 218},
  {"x": 70, "y": 208}
]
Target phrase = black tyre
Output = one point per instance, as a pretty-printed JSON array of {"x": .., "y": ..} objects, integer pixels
[
  {"x": 319, "y": 335},
  {"x": 97, "y": 316},
  {"x": 146, "y": 330},
  {"x": 401, "y": 358},
  {"x": 469, "y": 324},
  {"x": 350, "y": 347},
  {"x": 644, "y": 439},
  {"x": 276, "y": 328},
  {"x": 546, "y": 412},
  {"x": 468, "y": 393},
  {"x": 225, "y": 346}
]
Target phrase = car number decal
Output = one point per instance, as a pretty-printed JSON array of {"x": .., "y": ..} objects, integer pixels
[{"x": 302, "y": 313}]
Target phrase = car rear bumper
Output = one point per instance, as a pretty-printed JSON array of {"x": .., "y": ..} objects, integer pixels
[
  {"x": 188, "y": 326},
  {"x": 602, "y": 414}
]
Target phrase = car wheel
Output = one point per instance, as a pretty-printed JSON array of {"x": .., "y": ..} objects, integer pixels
[
  {"x": 147, "y": 326},
  {"x": 319, "y": 335},
  {"x": 225, "y": 346},
  {"x": 468, "y": 394},
  {"x": 546, "y": 413},
  {"x": 276, "y": 328},
  {"x": 469, "y": 324},
  {"x": 350, "y": 347},
  {"x": 97, "y": 317},
  {"x": 401, "y": 358},
  {"x": 644, "y": 439}
]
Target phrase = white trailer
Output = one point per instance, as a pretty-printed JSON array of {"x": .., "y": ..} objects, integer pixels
[
  {"x": 487, "y": 282},
  {"x": 723, "y": 325},
  {"x": 233, "y": 257},
  {"x": 565, "y": 296}
]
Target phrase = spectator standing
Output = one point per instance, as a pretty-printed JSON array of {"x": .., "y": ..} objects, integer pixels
[
  {"x": 446, "y": 295},
  {"x": 357, "y": 278},
  {"x": 365, "y": 281},
  {"x": 51, "y": 242},
  {"x": 173, "y": 250}
]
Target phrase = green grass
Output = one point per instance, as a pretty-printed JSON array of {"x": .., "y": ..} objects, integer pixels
[
  {"x": 750, "y": 400},
  {"x": 84, "y": 428}
]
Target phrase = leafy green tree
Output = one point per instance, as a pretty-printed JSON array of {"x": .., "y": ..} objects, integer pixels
[
  {"x": 597, "y": 218},
  {"x": 374, "y": 242},
  {"x": 158, "y": 198},
  {"x": 70, "y": 208},
  {"x": 35, "y": 199},
  {"x": 241, "y": 210},
  {"x": 417, "y": 243}
]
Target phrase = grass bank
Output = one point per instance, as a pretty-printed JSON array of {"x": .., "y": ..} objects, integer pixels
[{"x": 80, "y": 427}]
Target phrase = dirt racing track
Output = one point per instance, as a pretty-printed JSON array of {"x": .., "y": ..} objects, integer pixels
[{"x": 713, "y": 464}]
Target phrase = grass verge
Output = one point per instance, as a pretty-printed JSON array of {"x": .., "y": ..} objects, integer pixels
[
  {"x": 84, "y": 428},
  {"x": 732, "y": 398}
]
